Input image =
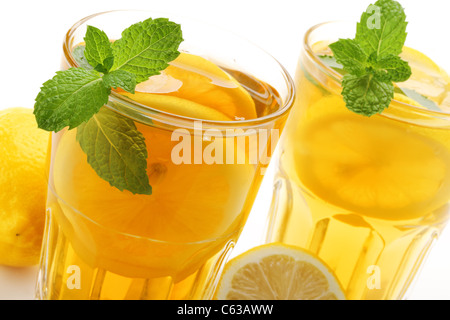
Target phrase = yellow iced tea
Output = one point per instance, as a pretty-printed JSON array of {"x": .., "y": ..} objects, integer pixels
[
  {"x": 367, "y": 195},
  {"x": 103, "y": 243}
]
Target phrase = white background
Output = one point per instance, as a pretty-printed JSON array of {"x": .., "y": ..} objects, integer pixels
[{"x": 31, "y": 34}]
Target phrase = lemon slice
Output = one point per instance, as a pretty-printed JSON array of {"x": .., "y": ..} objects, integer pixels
[
  {"x": 373, "y": 167},
  {"x": 278, "y": 272},
  {"x": 205, "y": 83},
  {"x": 178, "y": 106},
  {"x": 209, "y": 93}
]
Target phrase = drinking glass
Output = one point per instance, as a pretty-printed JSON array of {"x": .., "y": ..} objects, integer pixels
[
  {"x": 369, "y": 196},
  {"x": 103, "y": 243}
]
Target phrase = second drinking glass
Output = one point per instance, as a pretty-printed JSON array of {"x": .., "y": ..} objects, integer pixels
[{"x": 368, "y": 196}]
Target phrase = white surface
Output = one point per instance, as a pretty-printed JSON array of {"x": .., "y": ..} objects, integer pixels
[{"x": 32, "y": 32}]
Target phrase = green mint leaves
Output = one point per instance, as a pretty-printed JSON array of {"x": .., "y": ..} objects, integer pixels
[
  {"x": 120, "y": 79},
  {"x": 371, "y": 60},
  {"x": 69, "y": 99},
  {"x": 116, "y": 150},
  {"x": 366, "y": 95},
  {"x": 98, "y": 51},
  {"x": 352, "y": 57},
  {"x": 382, "y": 29},
  {"x": 146, "y": 47},
  {"x": 74, "y": 98}
]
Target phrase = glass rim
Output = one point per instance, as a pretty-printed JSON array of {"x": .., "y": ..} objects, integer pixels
[
  {"x": 171, "y": 118},
  {"x": 337, "y": 77}
]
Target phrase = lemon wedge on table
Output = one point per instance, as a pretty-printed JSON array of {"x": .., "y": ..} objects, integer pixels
[
  {"x": 195, "y": 87},
  {"x": 278, "y": 272},
  {"x": 23, "y": 187}
]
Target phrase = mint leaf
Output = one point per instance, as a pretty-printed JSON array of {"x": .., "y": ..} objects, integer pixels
[
  {"x": 147, "y": 47},
  {"x": 70, "y": 98},
  {"x": 116, "y": 150},
  {"x": 348, "y": 53},
  {"x": 120, "y": 79},
  {"x": 394, "y": 68},
  {"x": 382, "y": 28},
  {"x": 98, "y": 50},
  {"x": 367, "y": 94}
]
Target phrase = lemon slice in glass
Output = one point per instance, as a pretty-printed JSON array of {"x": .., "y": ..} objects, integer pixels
[
  {"x": 373, "y": 167},
  {"x": 195, "y": 87}
]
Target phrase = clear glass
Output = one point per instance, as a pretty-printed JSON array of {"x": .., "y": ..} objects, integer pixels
[
  {"x": 369, "y": 196},
  {"x": 101, "y": 243}
]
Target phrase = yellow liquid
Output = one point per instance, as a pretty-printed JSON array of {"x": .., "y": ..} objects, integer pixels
[
  {"x": 103, "y": 243},
  {"x": 367, "y": 195}
]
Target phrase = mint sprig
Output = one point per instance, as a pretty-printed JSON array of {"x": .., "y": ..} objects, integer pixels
[
  {"x": 371, "y": 60},
  {"x": 116, "y": 149},
  {"x": 331, "y": 62},
  {"x": 74, "y": 98}
]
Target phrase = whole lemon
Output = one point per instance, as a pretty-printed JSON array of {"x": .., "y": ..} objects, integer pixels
[{"x": 23, "y": 187}]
